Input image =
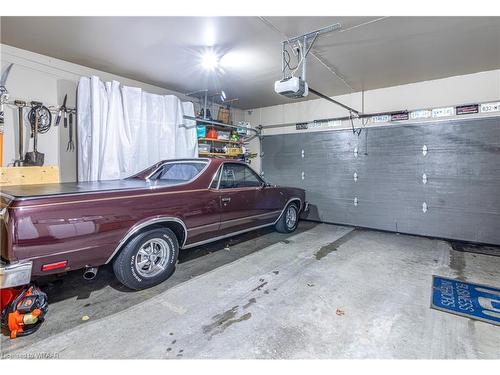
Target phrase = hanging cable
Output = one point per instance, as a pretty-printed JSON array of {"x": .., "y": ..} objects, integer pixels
[{"x": 354, "y": 130}]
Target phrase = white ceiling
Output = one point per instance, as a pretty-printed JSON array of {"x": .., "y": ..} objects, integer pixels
[{"x": 165, "y": 51}]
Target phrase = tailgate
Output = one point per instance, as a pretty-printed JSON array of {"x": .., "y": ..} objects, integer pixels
[{"x": 5, "y": 201}]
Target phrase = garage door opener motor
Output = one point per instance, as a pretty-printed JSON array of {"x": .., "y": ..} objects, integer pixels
[{"x": 26, "y": 313}]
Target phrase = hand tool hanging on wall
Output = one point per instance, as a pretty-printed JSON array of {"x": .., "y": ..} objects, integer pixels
[
  {"x": 62, "y": 110},
  {"x": 42, "y": 113},
  {"x": 71, "y": 145},
  {"x": 35, "y": 158},
  {"x": 4, "y": 96},
  {"x": 25, "y": 314},
  {"x": 20, "y": 104}
]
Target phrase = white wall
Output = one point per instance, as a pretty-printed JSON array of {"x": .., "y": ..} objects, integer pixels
[
  {"x": 43, "y": 78},
  {"x": 466, "y": 89}
]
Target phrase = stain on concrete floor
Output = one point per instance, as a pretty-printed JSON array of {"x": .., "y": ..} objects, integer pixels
[
  {"x": 251, "y": 301},
  {"x": 224, "y": 320},
  {"x": 331, "y": 247},
  {"x": 457, "y": 264},
  {"x": 475, "y": 248}
]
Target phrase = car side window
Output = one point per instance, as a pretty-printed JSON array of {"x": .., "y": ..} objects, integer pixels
[
  {"x": 238, "y": 176},
  {"x": 178, "y": 172}
]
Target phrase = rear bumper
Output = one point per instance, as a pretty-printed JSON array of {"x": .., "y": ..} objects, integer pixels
[{"x": 15, "y": 274}]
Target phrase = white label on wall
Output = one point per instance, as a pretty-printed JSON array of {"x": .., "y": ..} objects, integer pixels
[
  {"x": 443, "y": 112},
  {"x": 315, "y": 125},
  {"x": 381, "y": 118},
  {"x": 490, "y": 107},
  {"x": 424, "y": 113},
  {"x": 334, "y": 123}
]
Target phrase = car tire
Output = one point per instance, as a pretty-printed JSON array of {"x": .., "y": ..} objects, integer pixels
[
  {"x": 289, "y": 220},
  {"x": 148, "y": 259}
]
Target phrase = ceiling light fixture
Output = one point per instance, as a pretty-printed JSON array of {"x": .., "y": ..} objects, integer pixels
[{"x": 209, "y": 60}]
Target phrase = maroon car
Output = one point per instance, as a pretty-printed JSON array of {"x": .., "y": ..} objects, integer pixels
[{"x": 139, "y": 223}]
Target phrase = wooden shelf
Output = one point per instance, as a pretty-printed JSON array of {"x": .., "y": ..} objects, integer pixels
[
  {"x": 219, "y": 140},
  {"x": 28, "y": 175}
]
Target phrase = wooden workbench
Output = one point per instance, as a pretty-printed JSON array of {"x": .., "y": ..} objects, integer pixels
[{"x": 28, "y": 175}]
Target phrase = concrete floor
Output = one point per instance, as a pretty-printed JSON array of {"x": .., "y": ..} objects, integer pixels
[{"x": 325, "y": 291}]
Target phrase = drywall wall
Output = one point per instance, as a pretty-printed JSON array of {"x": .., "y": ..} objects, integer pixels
[
  {"x": 471, "y": 88},
  {"x": 45, "y": 79}
]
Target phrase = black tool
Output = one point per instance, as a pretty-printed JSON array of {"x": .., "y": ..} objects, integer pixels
[
  {"x": 35, "y": 158},
  {"x": 4, "y": 96},
  {"x": 44, "y": 117},
  {"x": 71, "y": 145},
  {"x": 62, "y": 110},
  {"x": 20, "y": 105}
]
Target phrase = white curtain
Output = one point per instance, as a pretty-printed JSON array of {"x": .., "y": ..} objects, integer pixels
[{"x": 123, "y": 130}]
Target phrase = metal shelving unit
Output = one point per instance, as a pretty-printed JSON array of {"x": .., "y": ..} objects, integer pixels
[{"x": 243, "y": 139}]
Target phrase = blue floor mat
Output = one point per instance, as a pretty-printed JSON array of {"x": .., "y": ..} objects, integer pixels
[{"x": 462, "y": 298}]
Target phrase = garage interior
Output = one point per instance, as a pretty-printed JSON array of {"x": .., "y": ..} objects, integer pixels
[{"x": 400, "y": 168}]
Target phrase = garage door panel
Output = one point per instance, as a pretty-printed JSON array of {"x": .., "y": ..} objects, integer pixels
[{"x": 461, "y": 166}]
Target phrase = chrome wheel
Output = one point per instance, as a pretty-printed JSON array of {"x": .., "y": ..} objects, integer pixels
[
  {"x": 291, "y": 217},
  {"x": 152, "y": 257}
]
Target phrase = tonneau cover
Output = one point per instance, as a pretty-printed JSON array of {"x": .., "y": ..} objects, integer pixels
[{"x": 34, "y": 191}]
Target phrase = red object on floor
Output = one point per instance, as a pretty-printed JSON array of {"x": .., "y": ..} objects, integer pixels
[{"x": 8, "y": 295}]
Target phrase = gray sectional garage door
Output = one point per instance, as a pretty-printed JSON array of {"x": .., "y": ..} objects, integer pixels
[{"x": 377, "y": 180}]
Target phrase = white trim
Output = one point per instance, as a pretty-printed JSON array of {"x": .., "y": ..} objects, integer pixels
[
  {"x": 231, "y": 220},
  {"x": 225, "y": 236}
]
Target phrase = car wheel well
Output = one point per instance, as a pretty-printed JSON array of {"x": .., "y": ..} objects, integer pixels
[
  {"x": 296, "y": 202},
  {"x": 176, "y": 227}
]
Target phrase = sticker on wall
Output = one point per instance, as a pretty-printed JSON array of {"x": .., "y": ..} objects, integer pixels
[
  {"x": 399, "y": 116},
  {"x": 423, "y": 113},
  {"x": 334, "y": 123},
  {"x": 315, "y": 125},
  {"x": 490, "y": 107},
  {"x": 443, "y": 112},
  {"x": 301, "y": 126},
  {"x": 467, "y": 109},
  {"x": 380, "y": 118}
]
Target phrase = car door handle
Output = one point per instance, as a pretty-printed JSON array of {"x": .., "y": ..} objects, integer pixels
[{"x": 226, "y": 200}]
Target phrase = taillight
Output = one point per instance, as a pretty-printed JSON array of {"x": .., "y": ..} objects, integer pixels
[{"x": 54, "y": 266}]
